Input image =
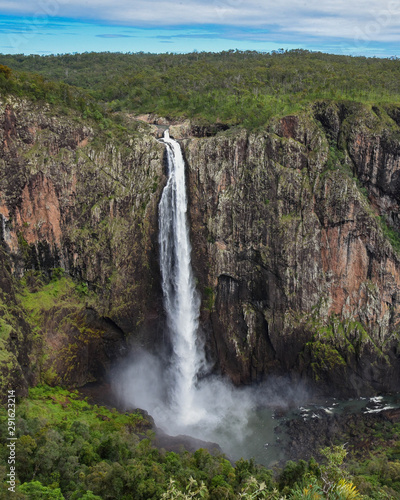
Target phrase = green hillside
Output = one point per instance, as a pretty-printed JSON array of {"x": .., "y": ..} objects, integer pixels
[{"x": 232, "y": 87}]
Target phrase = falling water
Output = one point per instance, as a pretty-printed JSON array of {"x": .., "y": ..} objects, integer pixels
[{"x": 181, "y": 300}]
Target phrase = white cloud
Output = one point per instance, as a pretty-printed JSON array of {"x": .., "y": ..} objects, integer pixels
[{"x": 360, "y": 20}]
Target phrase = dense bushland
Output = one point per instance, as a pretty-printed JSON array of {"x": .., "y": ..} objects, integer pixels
[
  {"x": 232, "y": 87},
  {"x": 68, "y": 448}
]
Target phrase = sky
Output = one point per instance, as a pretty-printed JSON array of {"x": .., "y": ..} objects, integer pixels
[{"x": 357, "y": 27}]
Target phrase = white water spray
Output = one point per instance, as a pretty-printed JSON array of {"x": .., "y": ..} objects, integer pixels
[{"x": 181, "y": 300}]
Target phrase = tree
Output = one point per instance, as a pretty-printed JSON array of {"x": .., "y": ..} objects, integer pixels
[
  {"x": 5, "y": 71},
  {"x": 193, "y": 491},
  {"x": 36, "y": 491}
]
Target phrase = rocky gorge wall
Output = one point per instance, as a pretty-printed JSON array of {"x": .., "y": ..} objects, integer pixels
[
  {"x": 294, "y": 235},
  {"x": 76, "y": 204},
  {"x": 296, "y": 272}
]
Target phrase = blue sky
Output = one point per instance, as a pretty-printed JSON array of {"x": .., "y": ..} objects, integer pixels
[{"x": 361, "y": 27}]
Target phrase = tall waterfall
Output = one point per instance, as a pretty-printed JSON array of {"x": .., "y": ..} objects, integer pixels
[
  {"x": 209, "y": 408},
  {"x": 181, "y": 300}
]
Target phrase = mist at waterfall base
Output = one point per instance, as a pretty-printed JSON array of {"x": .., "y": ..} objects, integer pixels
[
  {"x": 177, "y": 388},
  {"x": 239, "y": 419}
]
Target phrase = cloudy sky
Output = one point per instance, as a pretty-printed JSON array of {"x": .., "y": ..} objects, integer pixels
[{"x": 358, "y": 27}]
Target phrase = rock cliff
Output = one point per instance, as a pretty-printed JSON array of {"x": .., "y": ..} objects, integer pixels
[
  {"x": 77, "y": 204},
  {"x": 296, "y": 269},
  {"x": 295, "y": 235}
]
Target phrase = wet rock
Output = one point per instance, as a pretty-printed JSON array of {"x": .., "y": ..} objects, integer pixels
[{"x": 360, "y": 432}]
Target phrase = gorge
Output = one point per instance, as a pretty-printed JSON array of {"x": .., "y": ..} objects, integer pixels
[
  {"x": 177, "y": 389},
  {"x": 233, "y": 280},
  {"x": 193, "y": 409},
  {"x": 294, "y": 232}
]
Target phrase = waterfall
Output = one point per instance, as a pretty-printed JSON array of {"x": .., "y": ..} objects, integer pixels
[
  {"x": 181, "y": 300},
  {"x": 207, "y": 408}
]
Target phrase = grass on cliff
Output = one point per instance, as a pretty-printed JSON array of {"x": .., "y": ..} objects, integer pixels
[
  {"x": 391, "y": 234},
  {"x": 40, "y": 295},
  {"x": 55, "y": 310},
  {"x": 12, "y": 327}
]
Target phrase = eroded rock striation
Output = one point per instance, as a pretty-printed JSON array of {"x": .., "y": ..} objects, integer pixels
[{"x": 74, "y": 201}]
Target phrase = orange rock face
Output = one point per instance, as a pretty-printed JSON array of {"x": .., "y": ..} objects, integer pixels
[
  {"x": 90, "y": 209},
  {"x": 39, "y": 217},
  {"x": 294, "y": 262}
]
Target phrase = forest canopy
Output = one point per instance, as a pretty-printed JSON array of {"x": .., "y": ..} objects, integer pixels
[{"x": 232, "y": 87}]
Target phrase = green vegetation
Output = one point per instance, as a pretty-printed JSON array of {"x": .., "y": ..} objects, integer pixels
[
  {"x": 67, "y": 100},
  {"x": 55, "y": 310},
  {"x": 64, "y": 444},
  {"x": 324, "y": 357},
  {"x": 391, "y": 234},
  {"x": 12, "y": 327},
  {"x": 67, "y": 448},
  {"x": 38, "y": 88},
  {"x": 336, "y": 343},
  {"x": 42, "y": 297},
  {"x": 232, "y": 87},
  {"x": 336, "y": 159},
  {"x": 209, "y": 298}
]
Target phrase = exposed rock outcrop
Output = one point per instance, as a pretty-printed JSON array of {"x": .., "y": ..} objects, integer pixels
[{"x": 15, "y": 340}]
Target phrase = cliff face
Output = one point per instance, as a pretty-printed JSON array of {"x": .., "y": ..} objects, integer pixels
[
  {"x": 15, "y": 338},
  {"x": 73, "y": 200},
  {"x": 296, "y": 273},
  {"x": 294, "y": 235}
]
